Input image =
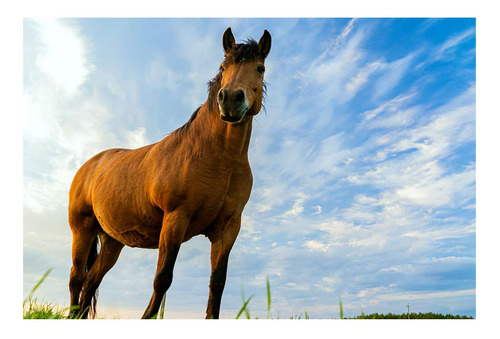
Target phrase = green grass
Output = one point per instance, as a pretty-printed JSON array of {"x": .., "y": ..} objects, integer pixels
[
  {"x": 35, "y": 310},
  {"x": 245, "y": 309},
  {"x": 32, "y": 309},
  {"x": 268, "y": 298},
  {"x": 341, "y": 309}
]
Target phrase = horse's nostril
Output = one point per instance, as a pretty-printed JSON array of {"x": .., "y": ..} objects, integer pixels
[
  {"x": 239, "y": 97},
  {"x": 221, "y": 96}
]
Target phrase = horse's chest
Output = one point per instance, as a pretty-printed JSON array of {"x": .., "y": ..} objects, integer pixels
[
  {"x": 220, "y": 201},
  {"x": 212, "y": 197}
]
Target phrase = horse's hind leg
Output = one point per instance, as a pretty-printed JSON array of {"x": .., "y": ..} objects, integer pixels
[
  {"x": 84, "y": 234},
  {"x": 108, "y": 255}
]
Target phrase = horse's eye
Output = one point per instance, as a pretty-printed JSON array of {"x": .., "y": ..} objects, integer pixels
[
  {"x": 261, "y": 69},
  {"x": 221, "y": 69}
]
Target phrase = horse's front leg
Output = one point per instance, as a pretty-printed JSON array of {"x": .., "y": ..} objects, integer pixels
[
  {"x": 219, "y": 258},
  {"x": 173, "y": 229}
]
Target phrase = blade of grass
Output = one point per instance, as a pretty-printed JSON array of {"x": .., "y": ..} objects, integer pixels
[
  {"x": 268, "y": 298},
  {"x": 244, "y": 308},
  {"x": 341, "y": 308},
  {"x": 247, "y": 312},
  {"x": 38, "y": 284},
  {"x": 162, "y": 307}
]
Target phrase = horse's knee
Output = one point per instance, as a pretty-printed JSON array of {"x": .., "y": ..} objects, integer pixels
[
  {"x": 218, "y": 277},
  {"x": 75, "y": 285},
  {"x": 162, "y": 281},
  {"x": 76, "y": 278},
  {"x": 91, "y": 282}
]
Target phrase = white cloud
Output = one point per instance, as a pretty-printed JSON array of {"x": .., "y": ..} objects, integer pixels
[
  {"x": 297, "y": 208},
  {"x": 372, "y": 291},
  {"x": 363, "y": 211},
  {"x": 442, "y": 233},
  {"x": 362, "y": 76},
  {"x": 400, "y": 118},
  {"x": 329, "y": 156},
  {"x": 347, "y": 30},
  {"x": 445, "y": 191},
  {"x": 316, "y": 245},
  {"x": 453, "y": 42},
  {"x": 298, "y": 287},
  {"x": 62, "y": 54},
  {"x": 160, "y": 76},
  {"x": 318, "y": 209},
  {"x": 64, "y": 126},
  {"x": 414, "y": 174},
  {"x": 335, "y": 227},
  {"x": 421, "y": 295},
  {"x": 136, "y": 138},
  {"x": 331, "y": 72},
  {"x": 393, "y": 74},
  {"x": 248, "y": 229},
  {"x": 390, "y": 106}
]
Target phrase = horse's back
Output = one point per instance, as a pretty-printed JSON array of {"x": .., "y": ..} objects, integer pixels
[{"x": 80, "y": 196}]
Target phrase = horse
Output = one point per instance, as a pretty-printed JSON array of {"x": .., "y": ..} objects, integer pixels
[{"x": 195, "y": 181}]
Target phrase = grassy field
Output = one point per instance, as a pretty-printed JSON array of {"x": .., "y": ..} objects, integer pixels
[{"x": 32, "y": 309}]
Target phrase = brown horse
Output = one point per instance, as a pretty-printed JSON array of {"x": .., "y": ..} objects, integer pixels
[{"x": 196, "y": 180}]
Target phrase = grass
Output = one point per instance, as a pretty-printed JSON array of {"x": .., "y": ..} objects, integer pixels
[
  {"x": 341, "y": 309},
  {"x": 32, "y": 309},
  {"x": 245, "y": 309},
  {"x": 35, "y": 310}
]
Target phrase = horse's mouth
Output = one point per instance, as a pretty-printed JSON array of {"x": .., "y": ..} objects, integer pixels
[
  {"x": 235, "y": 117},
  {"x": 230, "y": 119}
]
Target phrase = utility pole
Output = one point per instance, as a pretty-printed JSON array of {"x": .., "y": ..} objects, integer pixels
[{"x": 408, "y": 310}]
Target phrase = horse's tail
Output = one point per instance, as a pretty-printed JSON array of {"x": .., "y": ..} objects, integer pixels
[{"x": 90, "y": 262}]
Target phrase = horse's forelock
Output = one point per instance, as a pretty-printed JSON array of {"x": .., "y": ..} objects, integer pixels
[{"x": 248, "y": 51}]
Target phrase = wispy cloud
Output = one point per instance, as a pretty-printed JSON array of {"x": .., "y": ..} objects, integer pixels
[
  {"x": 393, "y": 74},
  {"x": 362, "y": 76},
  {"x": 364, "y": 165},
  {"x": 392, "y": 105},
  {"x": 62, "y": 54},
  {"x": 452, "y": 42},
  {"x": 60, "y": 115}
]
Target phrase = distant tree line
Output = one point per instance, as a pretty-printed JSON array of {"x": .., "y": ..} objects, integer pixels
[{"x": 428, "y": 315}]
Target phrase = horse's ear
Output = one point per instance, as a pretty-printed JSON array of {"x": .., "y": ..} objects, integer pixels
[
  {"x": 265, "y": 44},
  {"x": 228, "y": 40}
]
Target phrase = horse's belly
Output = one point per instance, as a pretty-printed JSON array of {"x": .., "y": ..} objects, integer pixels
[
  {"x": 202, "y": 221},
  {"x": 137, "y": 237},
  {"x": 131, "y": 229}
]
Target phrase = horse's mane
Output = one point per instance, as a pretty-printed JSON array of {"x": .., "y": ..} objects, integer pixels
[{"x": 188, "y": 123}]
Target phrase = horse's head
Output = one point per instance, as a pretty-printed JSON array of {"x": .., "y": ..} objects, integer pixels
[{"x": 241, "y": 77}]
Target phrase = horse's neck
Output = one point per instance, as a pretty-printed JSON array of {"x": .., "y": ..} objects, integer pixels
[
  {"x": 233, "y": 139},
  {"x": 207, "y": 132}
]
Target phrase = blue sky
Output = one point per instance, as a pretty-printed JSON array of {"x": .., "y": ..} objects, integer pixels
[{"x": 364, "y": 160}]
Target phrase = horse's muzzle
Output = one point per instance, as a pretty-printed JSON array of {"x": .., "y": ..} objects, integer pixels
[{"x": 232, "y": 105}]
